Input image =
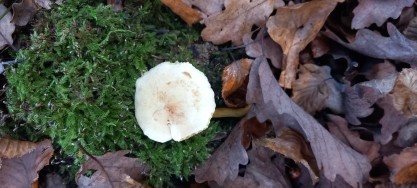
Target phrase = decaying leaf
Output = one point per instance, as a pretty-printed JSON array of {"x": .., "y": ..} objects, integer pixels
[
  {"x": 375, "y": 11},
  {"x": 23, "y": 171},
  {"x": 293, "y": 27},
  {"x": 392, "y": 119},
  {"x": 6, "y": 27},
  {"x": 252, "y": 128},
  {"x": 10, "y": 148},
  {"x": 339, "y": 127},
  {"x": 375, "y": 45},
  {"x": 119, "y": 171},
  {"x": 263, "y": 45},
  {"x": 319, "y": 46},
  {"x": 207, "y": 7},
  {"x": 236, "y": 20},
  {"x": 403, "y": 166},
  {"x": 292, "y": 145},
  {"x": 315, "y": 89},
  {"x": 224, "y": 163},
  {"x": 24, "y": 11},
  {"x": 188, "y": 14},
  {"x": 404, "y": 93},
  {"x": 357, "y": 101},
  {"x": 235, "y": 79},
  {"x": 272, "y": 103}
]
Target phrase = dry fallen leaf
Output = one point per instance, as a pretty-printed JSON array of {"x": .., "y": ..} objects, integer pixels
[
  {"x": 339, "y": 127},
  {"x": 188, "y": 14},
  {"x": 375, "y": 11},
  {"x": 252, "y": 128},
  {"x": 295, "y": 26},
  {"x": 119, "y": 171},
  {"x": 235, "y": 79},
  {"x": 319, "y": 46},
  {"x": 6, "y": 27},
  {"x": 23, "y": 171},
  {"x": 404, "y": 93},
  {"x": 224, "y": 163},
  {"x": 10, "y": 148},
  {"x": 391, "y": 121},
  {"x": 207, "y": 7},
  {"x": 292, "y": 145},
  {"x": 270, "y": 102},
  {"x": 236, "y": 20},
  {"x": 46, "y": 4},
  {"x": 315, "y": 89},
  {"x": 24, "y": 11},
  {"x": 403, "y": 166}
]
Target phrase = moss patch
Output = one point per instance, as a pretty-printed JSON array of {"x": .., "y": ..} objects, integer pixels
[{"x": 78, "y": 80}]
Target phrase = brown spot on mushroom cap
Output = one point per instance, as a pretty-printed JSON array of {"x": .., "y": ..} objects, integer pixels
[{"x": 187, "y": 74}]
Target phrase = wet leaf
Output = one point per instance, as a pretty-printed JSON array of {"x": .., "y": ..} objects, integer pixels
[
  {"x": 23, "y": 171},
  {"x": 375, "y": 11},
  {"x": 272, "y": 103},
  {"x": 188, "y": 14},
  {"x": 117, "y": 171},
  {"x": 6, "y": 27},
  {"x": 10, "y": 148},
  {"x": 403, "y": 166},
  {"x": 295, "y": 26},
  {"x": 235, "y": 80}
]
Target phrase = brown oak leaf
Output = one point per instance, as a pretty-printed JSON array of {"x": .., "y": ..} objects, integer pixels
[
  {"x": 403, "y": 166},
  {"x": 235, "y": 79},
  {"x": 24, "y": 11},
  {"x": 119, "y": 171},
  {"x": 375, "y": 11},
  {"x": 272, "y": 103},
  {"x": 236, "y": 20},
  {"x": 404, "y": 92},
  {"x": 6, "y": 27},
  {"x": 10, "y": 148},
  {"x": 391, "y": 121},
  {"x": 224, "y": 163},
  {"x": 293, "y": 28},
  {"x": 188, "y": 14},
  {"x": 23, "y": 171},
  {"x": 315, "y": 89},
  {"x": 339, "y": 127}
]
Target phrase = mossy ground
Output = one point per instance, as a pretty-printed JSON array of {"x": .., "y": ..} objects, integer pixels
[{"x": 76, "y": 84}]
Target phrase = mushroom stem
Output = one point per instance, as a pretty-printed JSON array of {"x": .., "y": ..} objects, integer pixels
[{"x": 230, "y": 112}]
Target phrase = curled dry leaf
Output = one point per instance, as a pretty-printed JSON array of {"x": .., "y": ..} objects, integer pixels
[
  {"x": 10, "y": 148},
  {"x": 224, "y": 163},
  {"x": 292, "y": 145},
  {"x": 375, "y": 11},
  {"x": 392, "y": 119},
  {"x": 270, "y": 102},
  {"x": 23, "y": 171},
  {"x": 405, "y": 92},
  {"x": 24, "y": 11},
  {"x": 403, "y": 166},
  {"x": 119, "y": 171},
  {"x": 236, "y": 20},
  {"x": 235, "y": 80},
  {"x": 188, "y": 14},
  {"x": 316, "y": 89},
  {"x": 6, "y": 27},
  {"x": 339, "y": 127},
  {"x": 375, "y": 45},
  {"x": 293, "y": 27}
]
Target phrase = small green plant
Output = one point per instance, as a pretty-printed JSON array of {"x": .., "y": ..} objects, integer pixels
[{"x": 78, "y": 81}]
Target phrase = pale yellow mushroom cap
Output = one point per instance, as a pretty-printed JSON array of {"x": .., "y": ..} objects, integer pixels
[{"x": 173, "y": 101}]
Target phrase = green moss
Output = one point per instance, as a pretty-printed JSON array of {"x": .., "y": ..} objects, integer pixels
[{"x": 78, "y": 79}]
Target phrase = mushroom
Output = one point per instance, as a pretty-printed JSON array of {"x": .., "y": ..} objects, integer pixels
[{"x": 173, "y": 101}]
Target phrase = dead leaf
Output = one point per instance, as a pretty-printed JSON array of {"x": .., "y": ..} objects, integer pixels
[
  {"x": 224, "y": 163},
  {"x": 207, "y": 7},
  {"x": 392, "y": 119},
  {"x": 236, "y": 20},
  {"x": 357, "y": 102},
  {"x": 404, "y": 93},
  {"x": 263, "y": 45},
  {"x": 188, "y": 14},
  {"x": 23, "y": 171},
  {"x": 315, "y": 89},
  {"x": 117, "y": 168},
  {"x": 272, "y": 103},
  {"x": 319, "y": 46},
  {"x": 252, "y": 128},
  {"x": 23, "y": 12},
  {"x": 339, "y": 127},
  {"x": 372, "y": 44},
  {"x": 383, "y": 85},
  {"x": 6, "y": 27},
  {"x": 403, "y": 166},
  {"x": 411, "y": 31},
  {"x": 46, "y": 4},
  {"x": 375, "y": 11},
  {"x": 292, "y": 145},
  {"x": 235, "y": 79},
  {"x": 407, "y": 135},
  {"x": 260, "y": 172},
  {"x": 295, "y": 26},
  {"x": 10, "y": 148}
]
